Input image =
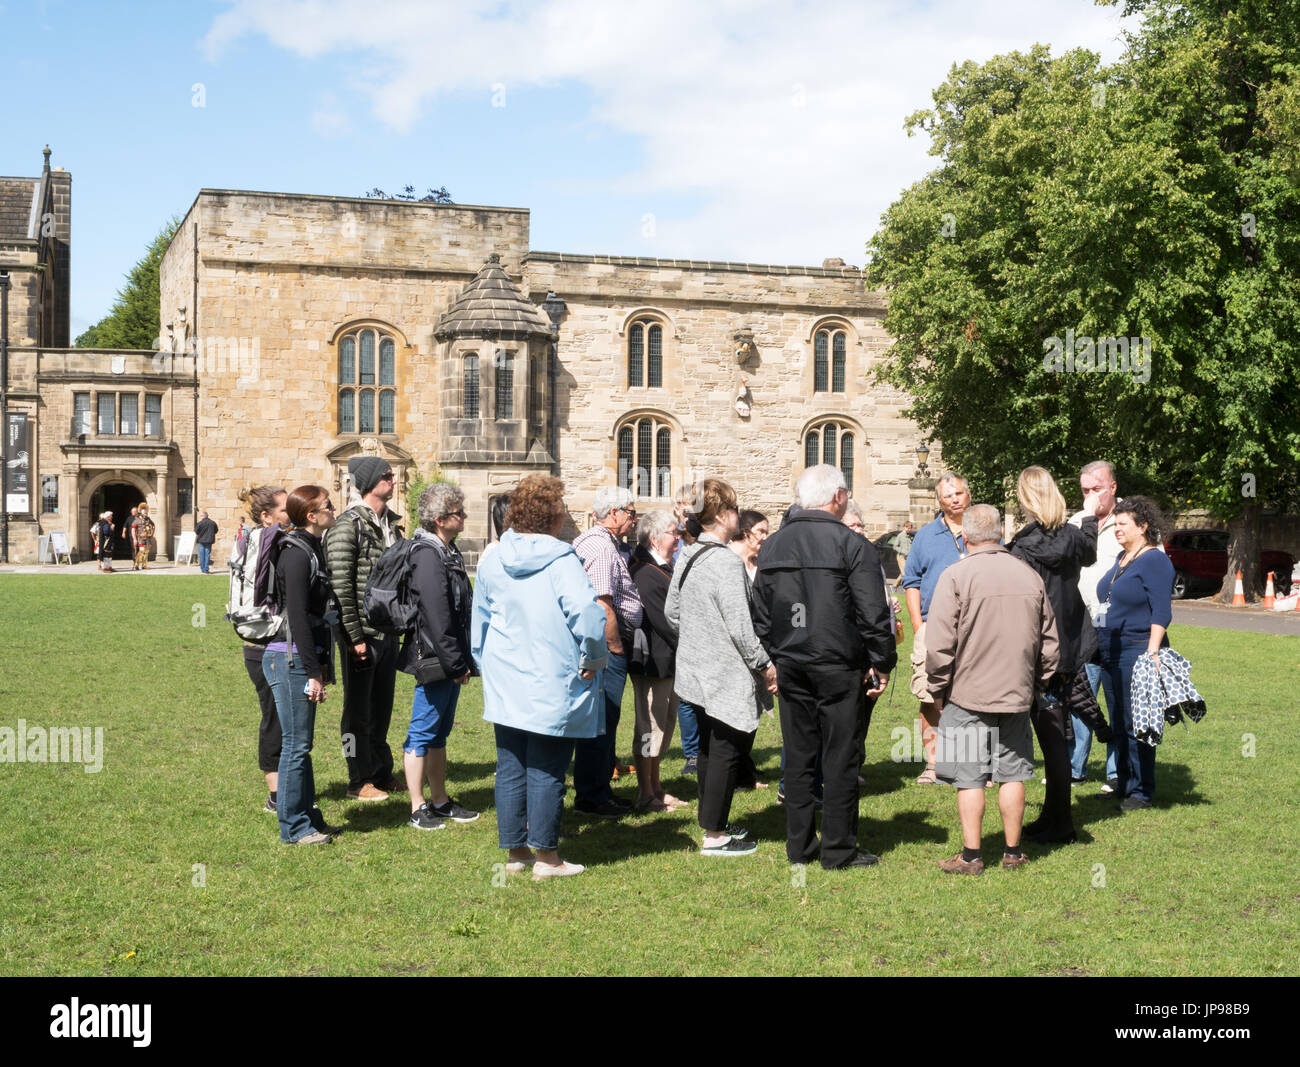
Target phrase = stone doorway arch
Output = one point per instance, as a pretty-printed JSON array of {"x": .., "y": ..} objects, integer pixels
[{"x": 116, "y": 491}]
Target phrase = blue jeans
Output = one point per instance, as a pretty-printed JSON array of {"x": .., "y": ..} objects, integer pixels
[
  {"x": 690, "y": 729},
  {"x": 433, "y": 711},
  {"x": 295, "y": 802},
  {"x": 1100, "y": 681},
  {"x": 593, "y": 763},
  {"x": 205, "y": 557},
  {"x": 1135, "y": 760},
  {"x": 530, "y": 787}
]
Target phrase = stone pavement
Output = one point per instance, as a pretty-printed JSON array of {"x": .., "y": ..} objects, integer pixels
[{"x": 121, "y": 566}]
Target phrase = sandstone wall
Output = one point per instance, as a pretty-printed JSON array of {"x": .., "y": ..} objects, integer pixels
[{"x": 703, "y": 306}]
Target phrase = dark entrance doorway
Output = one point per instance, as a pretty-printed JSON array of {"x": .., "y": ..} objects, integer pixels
[{"x": 119, "y": 498}]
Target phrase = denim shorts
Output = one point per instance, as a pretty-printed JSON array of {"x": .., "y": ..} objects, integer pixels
[{"x": 433, "y": 712}]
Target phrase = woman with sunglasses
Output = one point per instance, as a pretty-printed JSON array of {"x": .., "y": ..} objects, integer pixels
[
  {"x": 437, "y": 653},
  {"x": 298, "y": 663}
]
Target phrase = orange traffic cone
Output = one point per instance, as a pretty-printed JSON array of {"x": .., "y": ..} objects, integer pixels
[
  {"x": 1268, "y": 593},
  {"x": 1238, "y": 594}
]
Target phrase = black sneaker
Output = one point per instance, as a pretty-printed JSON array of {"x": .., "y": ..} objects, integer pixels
[
  {"x": 860, "y": 859},
  {"x": 452, "y": 810},
  {"x": 321, "y": 826},
  {"x": 423, "y": 818},
  {"x": 733, "y": 846},
  {"x": 1134, "y": 804},
  {"x": 690, "y": 766},
  {"x": 269, "y": 806},
  {"x": 738, "y": 832},
  {"x": 608, "y": 809}
]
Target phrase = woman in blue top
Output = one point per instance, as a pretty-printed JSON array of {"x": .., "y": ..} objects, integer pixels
[
  {"x": 1134, "y": 613},
  {"x": 538, "y": 636}
]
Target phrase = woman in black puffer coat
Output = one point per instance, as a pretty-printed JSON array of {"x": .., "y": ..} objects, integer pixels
[{"x": 1057, "y": 551}]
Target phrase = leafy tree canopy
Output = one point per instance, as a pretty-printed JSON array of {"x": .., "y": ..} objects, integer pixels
[
  {"x": 133, "y": 321},
  {"x": 1152, "y": 199}
]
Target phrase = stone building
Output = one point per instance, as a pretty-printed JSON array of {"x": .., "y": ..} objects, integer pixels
[
  {"x": 432, "y": 335},
  {"x": 299, "y": 331},
  {"x": 89, "y": 429}
]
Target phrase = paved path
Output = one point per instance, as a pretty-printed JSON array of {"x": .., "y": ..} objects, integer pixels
[
  {"x": 1249, "y": 619},
  {"x": 122, "y": 567}
]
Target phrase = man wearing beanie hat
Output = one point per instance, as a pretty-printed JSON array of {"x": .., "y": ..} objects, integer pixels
[{"x": 352, "y": 546}]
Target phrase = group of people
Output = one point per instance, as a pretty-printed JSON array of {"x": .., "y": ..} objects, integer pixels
[
  {"x": 1017, "y": 639},
  {"x": 1010, "y": 640},
  {"x": 138, "y": 528}
]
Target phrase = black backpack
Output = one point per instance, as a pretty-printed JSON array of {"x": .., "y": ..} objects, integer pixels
[{"x": 388, "y": 604}]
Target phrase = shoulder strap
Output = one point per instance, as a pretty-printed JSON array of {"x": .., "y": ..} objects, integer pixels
[{"x": 704, "y": 547}]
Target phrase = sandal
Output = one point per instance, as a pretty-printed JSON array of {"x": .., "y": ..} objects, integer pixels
[{"x": 926, "y": 777}]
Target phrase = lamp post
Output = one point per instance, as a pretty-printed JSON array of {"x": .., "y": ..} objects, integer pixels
[
  {"x": 922, "y": 454},
  {"x": 555, "y": 308}
]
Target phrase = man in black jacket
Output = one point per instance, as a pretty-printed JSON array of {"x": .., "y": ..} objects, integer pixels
[
  {"x": 821, "y": 612},
  {"x": 205, "y": 533}
]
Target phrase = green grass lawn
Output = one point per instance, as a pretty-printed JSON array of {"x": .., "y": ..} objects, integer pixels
[{"x": 100, "y": 872}]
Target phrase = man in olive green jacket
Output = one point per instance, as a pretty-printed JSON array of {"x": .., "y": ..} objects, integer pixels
[{"x": 368, "y": 657}]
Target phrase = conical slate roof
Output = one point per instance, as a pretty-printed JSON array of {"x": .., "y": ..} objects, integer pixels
[{"x": 492, "y": 306}]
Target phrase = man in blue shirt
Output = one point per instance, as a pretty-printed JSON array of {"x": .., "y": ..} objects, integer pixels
[{"x": 934, "y": 546}]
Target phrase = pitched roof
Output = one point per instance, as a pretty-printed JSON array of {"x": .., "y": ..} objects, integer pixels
[
  {"x": 16, "y": 217},
  {"x": 492, "y": 306}
]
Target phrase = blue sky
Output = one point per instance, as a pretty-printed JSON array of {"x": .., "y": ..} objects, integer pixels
[{"x": 761, "y": 130}]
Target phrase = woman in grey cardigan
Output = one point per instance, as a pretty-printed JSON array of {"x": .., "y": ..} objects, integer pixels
[{"x": 721, "y": 667}]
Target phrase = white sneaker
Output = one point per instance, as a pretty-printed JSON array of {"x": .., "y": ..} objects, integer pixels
[{"x": 565, "y": 868}]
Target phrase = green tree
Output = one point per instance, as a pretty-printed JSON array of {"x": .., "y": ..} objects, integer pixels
[
  {"x": 417, "y": 485},
  {"x": 432, "y": 196},
  {"x": 133, "y": 321},
  {"x": 1150, "y": 199}
]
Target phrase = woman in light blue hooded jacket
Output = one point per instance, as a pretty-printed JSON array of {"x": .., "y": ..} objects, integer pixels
[{"x": 538, "y": 636}]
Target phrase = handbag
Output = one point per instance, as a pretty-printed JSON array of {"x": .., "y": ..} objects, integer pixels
[{"x": 428, "y": 669}]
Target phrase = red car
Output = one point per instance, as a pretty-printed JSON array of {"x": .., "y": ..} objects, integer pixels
[{"x": 1200, "y": 558}]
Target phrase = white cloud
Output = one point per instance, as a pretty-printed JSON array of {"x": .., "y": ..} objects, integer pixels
[
  {"x": 329, "y": 119},
  {"x": 786, "y": 118}
]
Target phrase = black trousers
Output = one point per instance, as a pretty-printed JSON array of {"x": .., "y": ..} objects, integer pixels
[
  {"x": 826, "y": 711},
  {"x": 269, "y": 736},
  {"x": 723, "y": 750},
  {"x": 1051, "y": 719},
  {"x": 368, "y": 711}
]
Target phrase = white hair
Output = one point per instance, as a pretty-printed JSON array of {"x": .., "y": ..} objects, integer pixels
[
  {"x": 818, "y": 485},
  {"x": 654, "y": 524},
  {"x": 609, "y": 498},
  {"x": 851, "y": 508},
  {"x": 438, "y": 501}
]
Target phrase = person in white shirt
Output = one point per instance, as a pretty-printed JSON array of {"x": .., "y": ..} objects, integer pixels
[{"x": 1097, "y": 480}]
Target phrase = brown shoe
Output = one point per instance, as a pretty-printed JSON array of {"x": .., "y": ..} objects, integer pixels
[
  {"x": 957, "y": 865},
  {"x": 396, "y": 785},
  {"x": 1010, "y": 863},
  {"x": 367, "y": 792}
]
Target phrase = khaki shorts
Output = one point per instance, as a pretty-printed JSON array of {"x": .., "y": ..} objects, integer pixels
[
  {"x": 920, "y": 681},
  {"x": 656, "y": 714},
  {"x": 973, "y": 747}
]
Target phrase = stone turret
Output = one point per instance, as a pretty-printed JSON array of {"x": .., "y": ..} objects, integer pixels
[{"x": 494, "y": 352}]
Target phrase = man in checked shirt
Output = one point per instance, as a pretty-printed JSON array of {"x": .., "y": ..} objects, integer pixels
[{"x": 593, "y": 763}]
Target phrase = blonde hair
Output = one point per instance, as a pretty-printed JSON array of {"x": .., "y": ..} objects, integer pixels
[{"x": 1040, "y": 499}]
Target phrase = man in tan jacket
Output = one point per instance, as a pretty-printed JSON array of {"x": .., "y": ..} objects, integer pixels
[{"x": 991, "y": 647}]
